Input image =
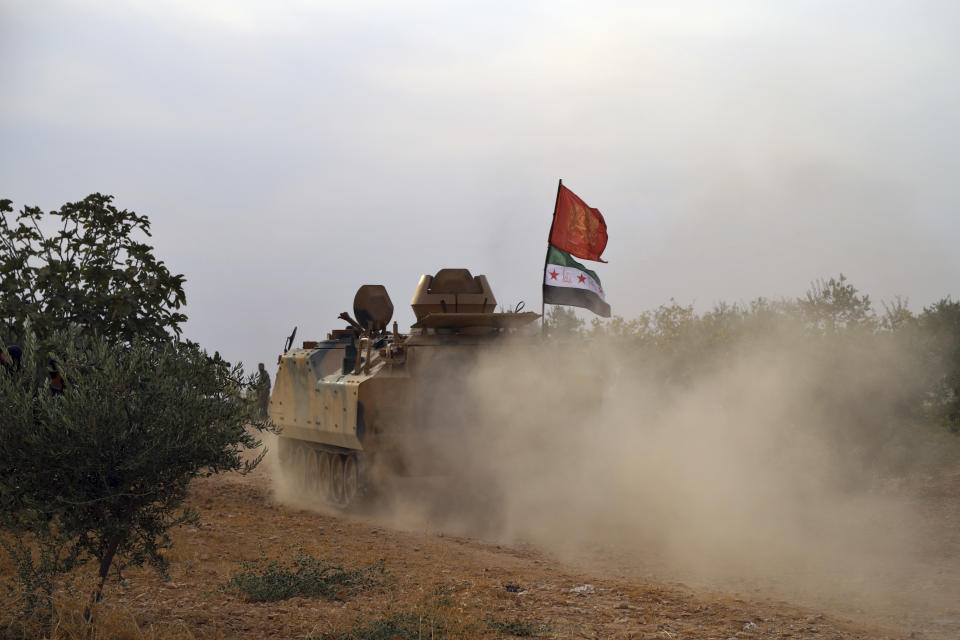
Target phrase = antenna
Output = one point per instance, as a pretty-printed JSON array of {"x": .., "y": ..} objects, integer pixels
[{"x": 289, "y": 343}]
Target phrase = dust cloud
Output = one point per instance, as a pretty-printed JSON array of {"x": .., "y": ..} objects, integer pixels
[
  {"x": 783, "y": 464},
  {"x": 772, "y": 465}
]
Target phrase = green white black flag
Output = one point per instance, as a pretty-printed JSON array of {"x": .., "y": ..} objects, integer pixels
[{"x": 566, "y": 281}]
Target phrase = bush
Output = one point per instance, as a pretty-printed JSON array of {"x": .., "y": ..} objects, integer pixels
[
  {"x": 400, "y": 626},
  {"x": 269, "y": 580},
  {"x": 518, "y": 628},
  {"x": 940, "y": 323}
]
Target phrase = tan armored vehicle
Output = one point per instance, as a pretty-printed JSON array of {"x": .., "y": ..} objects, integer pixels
[{"x": 356, "y": 408}]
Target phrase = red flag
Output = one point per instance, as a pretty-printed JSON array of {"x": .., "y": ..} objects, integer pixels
[{"x": 578, "y": 229}]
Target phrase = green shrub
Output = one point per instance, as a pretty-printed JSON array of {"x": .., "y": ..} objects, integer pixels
[
  {"x": 518, "y": 628},
  {"x": 940, "y": 323},
  {"x": 270, "y": 580},
  {"x": 400, "y": 626}
]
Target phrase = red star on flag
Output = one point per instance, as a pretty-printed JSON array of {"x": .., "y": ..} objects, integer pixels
[
  {"x": 554, "y": 274},
  {"x": 581, "y": 278}
]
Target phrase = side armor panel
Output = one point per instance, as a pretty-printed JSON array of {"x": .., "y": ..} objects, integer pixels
[{"x": 309, "y": 406}]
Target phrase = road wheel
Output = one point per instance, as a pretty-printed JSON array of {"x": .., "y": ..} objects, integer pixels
[
  {"x": 351, "y": 479},
  {"x": 297, "y": 464},
  {"x": 284, "y": 450},
  {"x": 336, "y": 484},
  {"x": 311, "y": 473},
  {"x": 324, "y": 476}
]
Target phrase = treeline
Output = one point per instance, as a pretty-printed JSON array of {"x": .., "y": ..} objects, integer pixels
[{"x": 865, "y": 360}]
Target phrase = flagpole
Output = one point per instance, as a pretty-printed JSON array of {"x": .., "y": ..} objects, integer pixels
[{"x": 543, "y": 315}]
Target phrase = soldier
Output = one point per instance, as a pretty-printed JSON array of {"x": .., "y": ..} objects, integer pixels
[
  {"x": 10, "y": 358},
  {"x": 263, "y": 390},
  {"x": 56, "y": 379}
]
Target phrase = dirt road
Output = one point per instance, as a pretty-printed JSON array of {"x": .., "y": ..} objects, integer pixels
[{"x": 468, "y": 587}]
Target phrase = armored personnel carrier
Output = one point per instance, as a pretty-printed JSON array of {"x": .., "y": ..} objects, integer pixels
[{"x": 360, "y": 406}]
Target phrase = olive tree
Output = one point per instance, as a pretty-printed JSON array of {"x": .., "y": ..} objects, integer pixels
[
  {"x": 97, "y": 469},
  {"x": 835, "y": 304},
  {"x": 87, "y": 265},
  {"x": 562, "y": 321},
  {"x": 100, "y": 471}
]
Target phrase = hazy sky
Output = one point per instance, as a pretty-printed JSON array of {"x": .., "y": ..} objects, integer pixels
[{"x": 287, "y": 152}]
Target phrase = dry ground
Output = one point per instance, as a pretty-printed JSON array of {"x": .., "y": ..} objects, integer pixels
[{"x": 461, "y": 581}]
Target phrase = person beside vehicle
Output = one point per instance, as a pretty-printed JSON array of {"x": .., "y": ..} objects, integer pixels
[
  {"x": 10, "y": 358},
  {"x": 263, "y": 390}
]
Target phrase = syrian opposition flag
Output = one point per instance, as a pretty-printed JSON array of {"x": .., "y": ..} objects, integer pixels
[{"x": 566, "y": 281}]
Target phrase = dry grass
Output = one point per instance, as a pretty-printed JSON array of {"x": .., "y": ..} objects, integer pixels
[
  {"x": 433, "y": 586},
  {"x": 110, "y": 619}
]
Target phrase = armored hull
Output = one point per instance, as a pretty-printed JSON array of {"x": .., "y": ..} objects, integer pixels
[{"x": 359, "y": 407}]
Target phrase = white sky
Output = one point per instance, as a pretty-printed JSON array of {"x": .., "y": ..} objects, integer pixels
[{"x": 287, "y": 152}]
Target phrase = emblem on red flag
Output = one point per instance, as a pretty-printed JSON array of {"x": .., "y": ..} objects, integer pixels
[{"x": 578, "y": 229}]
